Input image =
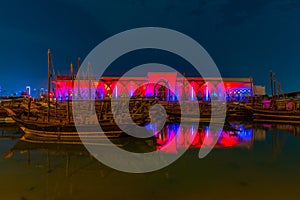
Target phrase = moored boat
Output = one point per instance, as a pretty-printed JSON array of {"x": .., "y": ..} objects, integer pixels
[
  {"x": 4, "y": 118},
  {"x": 39, "y": 131},
  {"x": 277, "y": 111}
]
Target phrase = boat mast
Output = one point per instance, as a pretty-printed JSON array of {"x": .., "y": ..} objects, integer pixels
[
  {"x": 49, "y": 89},
  {"x": 89, "y": 81},
  {"x": 271, "y": 81},
  {"x": 275, "y": 85},
  {"x": 70, "y": 91},
  {"x": 78, "y": 77}
]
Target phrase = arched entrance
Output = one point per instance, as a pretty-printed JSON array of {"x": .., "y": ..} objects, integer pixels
[{"x": 162, "y": 91}]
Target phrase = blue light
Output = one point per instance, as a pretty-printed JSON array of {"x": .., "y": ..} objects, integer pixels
[
  {"x": 192, "y": 94},
  {"x": 244, "y": 133},
  {"x": 173, "y": 97},
  {"x": 149, "y": 126},
  {"x": 116, "y": 92},
  {"x": 193, "y": 129},
  {"x": 206, "y": 93},
  {"x": 206, "y": 131},
  {"x": 176, "y": 93},
  {"x": 172, "y": 127},
  {"x": 131, "y": 93}
]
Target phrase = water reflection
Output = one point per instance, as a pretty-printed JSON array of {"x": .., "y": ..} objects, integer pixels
[
  {"x": 258, "y": 161},
  {"x": 174, "y": 137},
  {"x": 9, "y": 132},
  {"x": 171, "y": 139}
]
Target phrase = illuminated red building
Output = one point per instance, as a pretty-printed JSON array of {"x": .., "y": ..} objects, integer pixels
[{"x": 165, "y": 86}]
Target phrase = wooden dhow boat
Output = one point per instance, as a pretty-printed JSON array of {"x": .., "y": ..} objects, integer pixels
[
  {"x": 49, "y": 121},
  {"x": 4, "y": 118},
  {"x": 38, "y": 131},
  {"x": 277, "y": 111}
]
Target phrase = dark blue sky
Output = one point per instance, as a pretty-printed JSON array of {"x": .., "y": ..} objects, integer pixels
[{"x": 244, "y": 37}]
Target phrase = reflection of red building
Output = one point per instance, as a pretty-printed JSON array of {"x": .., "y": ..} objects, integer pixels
[
  {"x": 174, "y": 137},
  {"x": 165, "y": 86}
]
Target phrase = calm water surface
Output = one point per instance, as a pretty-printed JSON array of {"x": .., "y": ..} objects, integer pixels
[{"x": 262, "y": 161}]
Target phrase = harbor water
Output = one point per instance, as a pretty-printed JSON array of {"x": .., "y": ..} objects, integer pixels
[{"x": 260, "y": 162}]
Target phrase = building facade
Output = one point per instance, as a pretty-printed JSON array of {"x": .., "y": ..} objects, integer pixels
[{"x": 164, "y": 86}]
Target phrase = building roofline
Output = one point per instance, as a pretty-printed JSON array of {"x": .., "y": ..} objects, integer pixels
[{"x": 225, "y": 79}]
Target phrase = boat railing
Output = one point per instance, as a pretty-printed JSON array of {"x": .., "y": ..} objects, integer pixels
[{"x": 278, "y": 104}]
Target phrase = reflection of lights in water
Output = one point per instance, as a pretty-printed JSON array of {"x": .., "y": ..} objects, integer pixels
[
  {"x": 149, "y": 127},
  {"x": 192, "y": 129},
  {"x": 153, "y": 128},
  {"x": 229, "y": 139},
  {"x": 206, "y": 131},
  {"x": 189, "y": 136},
  {"x": 207, "y": 137},
  {"x": 244, "y": 133}
]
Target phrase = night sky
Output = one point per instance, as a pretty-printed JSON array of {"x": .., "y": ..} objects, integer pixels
[{"x": 244, "y": 37}]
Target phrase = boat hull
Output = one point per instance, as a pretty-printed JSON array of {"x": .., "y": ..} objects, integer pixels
[
  {"x": 260, "y": 115},
  {"x": 6, "y": 120},
  {"x": 59, "y": 133},
  {"x": 95, "y": 138}
]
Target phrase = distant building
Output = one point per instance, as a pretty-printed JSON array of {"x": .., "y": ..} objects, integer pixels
[
  {"x": 165, "y": 86},
  {"x": 28, "y": 90},
  {"x": 259, "y": 90}
]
